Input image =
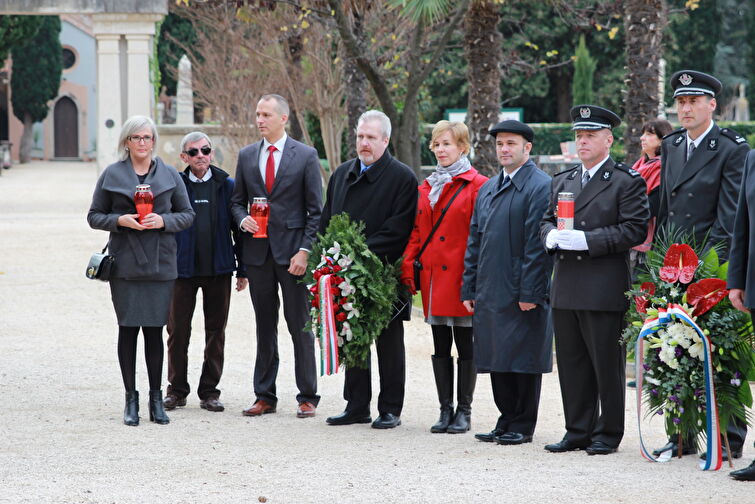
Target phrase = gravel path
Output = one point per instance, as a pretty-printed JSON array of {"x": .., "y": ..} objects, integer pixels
[{"x": 63, "y": 441}]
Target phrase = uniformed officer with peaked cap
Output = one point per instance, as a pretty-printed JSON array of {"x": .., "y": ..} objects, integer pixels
[
  {"x": 701, "y": 173},
  {"x": 590, "y": 277}
]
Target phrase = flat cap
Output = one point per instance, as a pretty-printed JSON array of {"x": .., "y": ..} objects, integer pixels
[
  {"x": 512, "y": 126},
  {"x": 693, "y": 83},
  {"x": 592, "y": 117}
]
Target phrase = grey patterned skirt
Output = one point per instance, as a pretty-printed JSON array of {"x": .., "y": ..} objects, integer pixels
[{"x": 142, "y": 303}]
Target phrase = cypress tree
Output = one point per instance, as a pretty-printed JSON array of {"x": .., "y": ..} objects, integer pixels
[
  {"x": 35, "y": 79},
  {"x": 584, "y": 68}
]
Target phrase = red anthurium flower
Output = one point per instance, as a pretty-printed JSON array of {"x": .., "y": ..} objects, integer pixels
[
  {"x": 642, "y": 302},
  {"x": 336, "y": 268},
  {"x": 341, "y": 316},
  {"x": 679, "y": 264},
  {"x": 706, "y": 294}
]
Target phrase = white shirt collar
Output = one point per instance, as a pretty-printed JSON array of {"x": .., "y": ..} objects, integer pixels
[
  {"x": 511, "y": 175},
  {"x": 207, "y": 176},
  {"x": 699, "y": 139},
  {"x": 278, "y": 145},
  {"x": 595, "y": 168}
]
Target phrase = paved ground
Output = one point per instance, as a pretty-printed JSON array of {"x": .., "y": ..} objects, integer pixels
[{"x": 62, "y": 437}]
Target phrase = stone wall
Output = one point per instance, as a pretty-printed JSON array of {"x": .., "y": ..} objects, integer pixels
[{"x": 83, "y": 6}]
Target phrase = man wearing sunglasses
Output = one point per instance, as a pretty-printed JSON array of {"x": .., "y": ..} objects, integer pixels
[{"x": 208, "y": 254}]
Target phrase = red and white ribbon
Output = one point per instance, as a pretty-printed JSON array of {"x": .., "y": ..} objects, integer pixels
[{"x": 328, "y": 332}]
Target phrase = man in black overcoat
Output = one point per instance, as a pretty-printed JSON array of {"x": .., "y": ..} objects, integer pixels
[
  {"x": 701, "y": 173},
  {"x": 591, "y": 274},
  {"x": 380, "y": 191},
  {"x": 741, "y": 275}
]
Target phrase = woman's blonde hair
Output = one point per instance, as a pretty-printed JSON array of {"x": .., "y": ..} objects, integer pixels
[
  {"x": 459, "y": 133},
  {"x": 131, "y": 126}
]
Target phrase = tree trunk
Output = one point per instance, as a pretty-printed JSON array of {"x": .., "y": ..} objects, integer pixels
[
  {"x": 644, "y": 21},
  {"x": 24, "y": 150},
  {"x": 296, "y": 128},
  {"x": 560, "y": 86},
  {"x": 482, "y": 50},
  {"x": 356, "y": 91}
]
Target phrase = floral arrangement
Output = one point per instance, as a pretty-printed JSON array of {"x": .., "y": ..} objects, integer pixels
[
  {"x": 673, "y": 365},
  {"x": 361, "y": 288}
]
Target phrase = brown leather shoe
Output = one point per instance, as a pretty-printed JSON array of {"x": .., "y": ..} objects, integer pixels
[
  {"x": 260, "y": 407},
  {"x": 170, "y": 402},
  {"x": 306, "y": 410}
]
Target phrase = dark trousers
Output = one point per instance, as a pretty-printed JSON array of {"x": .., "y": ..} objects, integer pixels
[
  {"x": 517, "y": 396},
  {"x": 263, "y": 287},
  {"x": 357, "y": 387},
  {"x": 216, "y": 298},
  {"x": 591, "y": 371}
]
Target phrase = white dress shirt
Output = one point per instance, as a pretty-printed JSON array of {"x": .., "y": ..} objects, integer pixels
[{"x": 277, "y": 154}]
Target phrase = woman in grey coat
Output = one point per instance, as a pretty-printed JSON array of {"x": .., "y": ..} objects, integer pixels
[{"x": 141, "y": 281}]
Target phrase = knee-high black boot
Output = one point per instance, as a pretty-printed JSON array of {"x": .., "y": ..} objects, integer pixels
[
  {"x": 465, "y": 391},
  {"x": 443, "y": 368},
  {"x": 156, "y": 410},
  {"x": 131, "y": 411}
]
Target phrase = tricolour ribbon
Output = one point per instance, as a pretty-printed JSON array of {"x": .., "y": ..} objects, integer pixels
[
  {"x": 328, "y": 333},
  {"x": 652, "y": 325}
]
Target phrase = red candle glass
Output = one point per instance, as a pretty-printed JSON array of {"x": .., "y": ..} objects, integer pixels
[
  {"x": 565, "y": 212},
  {"x": 143, "y": 199},
  {"x": 260, "y": 211}
]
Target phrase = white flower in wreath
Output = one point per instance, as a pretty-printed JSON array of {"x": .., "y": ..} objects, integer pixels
[
  {"x": 346, "y": 288},
  {"x": 697, "y": 348},
  {"x": 335, "y": 250},
  {"x": 345, "y": 261},
  {"x": 673, "y": 293},
  {"x": 652, "y": 380},
  {"x": 346, "y": 331},
  {"x": 351, "y": 310},
  {"x": 340, "y": 341}
]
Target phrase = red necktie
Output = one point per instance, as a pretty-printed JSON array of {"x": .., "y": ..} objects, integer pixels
[{"x": 270, "y": 169}]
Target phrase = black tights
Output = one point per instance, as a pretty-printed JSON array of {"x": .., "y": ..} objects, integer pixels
[
  {"x": 153, "y": 354},
  {"x": 444, "y": 336}
]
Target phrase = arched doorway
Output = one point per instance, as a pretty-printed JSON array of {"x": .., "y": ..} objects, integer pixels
[{"x": 66, "y": 119}]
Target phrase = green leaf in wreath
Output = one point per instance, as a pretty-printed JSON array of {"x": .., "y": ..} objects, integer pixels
[
  {"x": 723, "y": 271},
  {"x": 710, "y": 260}
]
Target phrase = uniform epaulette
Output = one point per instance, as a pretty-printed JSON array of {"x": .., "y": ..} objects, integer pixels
[
  {"x": 568, "y": 170},
  {"x": 626, "y": 169},
  {"x": 733, "y": 136},
  {"x": 675, "y": 132}
]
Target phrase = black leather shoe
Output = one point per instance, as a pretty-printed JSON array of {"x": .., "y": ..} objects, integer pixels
[
  {"x": 724, "y": 454},
  {"x": 171, "y": 402},
  {"x": 564, "y": 446},
  {"x": 687, "y": 449},
  {"x": 599, "y": 448},
  {"x": 489, "y": 437},
  {"x": 746, "y": 474},
  {"x": 348, "y": 418},
  {"x": 386, "y": 421},
  {"x": 156, "y": 409},
  {"x": 131, "y": 411},
  {"x": 211, "y": 404},
  {"x": 513, "y": 438}
]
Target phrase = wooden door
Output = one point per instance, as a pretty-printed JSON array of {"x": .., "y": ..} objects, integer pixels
[{"x": 66, "y": 129}]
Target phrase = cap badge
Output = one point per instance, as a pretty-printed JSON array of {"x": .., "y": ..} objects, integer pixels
[
  {"x": 712, "y": 144},
  {"x": 606, "y": 175},
  {"x": 678, "y": 140},
  {"x": 584, "y": 112},
  {"x": 685, "y": 79}
]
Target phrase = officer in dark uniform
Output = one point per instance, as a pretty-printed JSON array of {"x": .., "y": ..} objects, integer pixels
[
  {"x": 701, "y": 173},
  {"x": 590, "y": 277}
]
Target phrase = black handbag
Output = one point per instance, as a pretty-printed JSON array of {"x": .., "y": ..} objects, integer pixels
[
  {"x": 417, "y": 264},
  {"x": 100, "y": 265}
]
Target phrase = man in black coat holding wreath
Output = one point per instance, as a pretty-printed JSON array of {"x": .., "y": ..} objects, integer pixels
[{"x": 380, "y": 191}]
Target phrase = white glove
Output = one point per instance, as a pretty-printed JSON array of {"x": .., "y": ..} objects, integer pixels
[
  {"x": 571, "y": 239},
  {"x": 550, "y": 239}
]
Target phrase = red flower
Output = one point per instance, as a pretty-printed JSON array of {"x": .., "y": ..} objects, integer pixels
[
  {"x": 343, "y": 301},
  {"x": 679, "y": 264},
  {"x": 706, "y": 294},
  {"x": 336, "y": 268},
  {"x": 642, "y": 302},
  {"x": 341, "y": 316},
  {"x": 335, "y": 291},
  {"x": 315, "y": 302}
]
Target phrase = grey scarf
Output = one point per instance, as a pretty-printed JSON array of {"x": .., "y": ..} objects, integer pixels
[{"x": 443, "y": 175}]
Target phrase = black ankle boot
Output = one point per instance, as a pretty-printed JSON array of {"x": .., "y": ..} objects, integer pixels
[
  {"x": 443, "y": 368},
  {"x": 467, "y": 378},
  {"x": 156, "y": 409},
  {"x": 131, "y": 411}
]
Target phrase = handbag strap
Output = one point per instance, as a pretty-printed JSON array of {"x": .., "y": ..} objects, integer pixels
[
  {"x": 106, "y": 246},
  {"x": 437, "y": 223}
]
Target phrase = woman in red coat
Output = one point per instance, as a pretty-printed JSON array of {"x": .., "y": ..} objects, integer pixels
[{"x": 454, "y": 181}]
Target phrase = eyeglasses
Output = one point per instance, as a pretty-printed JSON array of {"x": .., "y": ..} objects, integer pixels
[
  {"x": 193, "y": 152},
  {"x": 139, "y": 139}
]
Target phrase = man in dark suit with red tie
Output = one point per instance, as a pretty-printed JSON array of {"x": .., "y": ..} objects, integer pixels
[{"x": 287, "y": 173}]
